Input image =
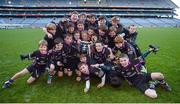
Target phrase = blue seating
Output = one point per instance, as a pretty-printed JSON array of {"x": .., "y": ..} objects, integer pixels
[{"x": 76, "y": 3}]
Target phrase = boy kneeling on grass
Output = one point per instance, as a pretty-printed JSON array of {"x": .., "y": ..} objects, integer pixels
[
  {"x": 129, "y": 71},
  {"x": 38, "y": 66}
]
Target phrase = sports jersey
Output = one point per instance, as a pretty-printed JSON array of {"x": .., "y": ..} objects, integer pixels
[
  {"x": 130, "y": 72},
  {"x": 57, "y": 55},
  {"x": 92, "y": 72},
  {"x": 39, "y": 59},
  {"x": 100, "y": 57},
  {"x": 127, "y": 48}
]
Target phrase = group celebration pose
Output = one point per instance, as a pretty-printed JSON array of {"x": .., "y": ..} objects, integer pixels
[{"x": 89, "y": 46}]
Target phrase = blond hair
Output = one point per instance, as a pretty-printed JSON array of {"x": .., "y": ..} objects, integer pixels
[
  {"x": 51, "y": 26},
  {"x": 43, "y": 43},
  {"x": 118, "y": 39}
]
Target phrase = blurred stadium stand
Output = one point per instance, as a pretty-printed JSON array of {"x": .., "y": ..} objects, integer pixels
[{"x": 37, "y": 13}]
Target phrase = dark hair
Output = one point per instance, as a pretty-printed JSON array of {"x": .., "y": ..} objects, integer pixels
[
  {"x": 101, "y": 18},
  {"x": 74, "y": 12},
  {"x": 82, "y": 55},
  {"x": 98, "y": 41},
  {"x": 115, "y": 18},
  {"x": 92, "y": 15},
  {"x": 91, "y": 27},
  {"x": 63, "y": 21},
  {"x": 115, "y": 81},
  {"x": 130, "y": 26},
  {"x": 77, "y": 32},
  {"x": 81, "y": 64},
  {"x": 58, "y": 40},
  {"x": 68, "y": 35},
  {"x": 103, "y": 28},
  {"x": 81, "y": 14},
  {"x": 80, "y": 22},
  {"x": 70, "y": 24}
]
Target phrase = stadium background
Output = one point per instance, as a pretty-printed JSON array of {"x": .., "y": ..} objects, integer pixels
[
  {"x": 37, "y": 13},
  {"x": 157, "y": 25}
]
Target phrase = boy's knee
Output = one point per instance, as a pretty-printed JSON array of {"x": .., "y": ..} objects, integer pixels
[
  {"x": 52, "y": 67},
  {"x": 157, "y": 76},
  {"x": 29, "y": 82},
  {"x": 161, "y": 76},
  {"x": 60, "y": 74},
  {"x": 151, "y": 93},
  {"x": 65, "y": 70},
  {"x": 69, "y": 73}
]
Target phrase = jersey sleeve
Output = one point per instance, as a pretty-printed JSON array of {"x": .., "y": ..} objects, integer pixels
[{"x": 33, "y": 54}]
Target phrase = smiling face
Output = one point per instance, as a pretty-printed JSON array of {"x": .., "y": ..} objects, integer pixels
[
  {"x": 124, "y": 61},
  {"x": 83, "y": 59},
  {"x": 102, "y": 22},
  {"x": 59, "y": 46},
  {"x": 84, "y": 69},
  {"x": 43, "y": 49},
  {"x": 90, "y": 31},
  {"x": 52, "y": 31},
  {"x": 119, "y": 45},
  {"x": 99, "y": 47},
  {"x": 92, "y": 20},
  {"x": 74, "y": 17},
  {"x": 68, "y": 40},
  {"x": 101, "y": 33},
  {"x": 132, "y": 29}
]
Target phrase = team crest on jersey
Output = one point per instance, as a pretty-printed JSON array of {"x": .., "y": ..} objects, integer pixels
[{"x": 132, "y": 68}]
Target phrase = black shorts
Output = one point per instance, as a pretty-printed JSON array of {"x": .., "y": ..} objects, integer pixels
[
  {"x": 72, "y": 63},
  {"x": 36, "y": 71},
  {"x": 141, "y": 82},
  {"x": 57, "y": 67}
]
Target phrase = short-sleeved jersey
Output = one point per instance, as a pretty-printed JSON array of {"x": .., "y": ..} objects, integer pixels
[
  {"x": 39, "y": 59},
  {"x": 131, "y": 72},
  {"x": 119, "y": 28},
  {"x": 100, "y": 57},
  {"x": 131, "y": 38},
  {"x": 57, "y": 55},
  {"x": 50, "y": 41},
  {"x": 94, "y": 25},
  {"x": 92, "y": 72},
  {"x": 126, "y": 49},
  {"x": 103, "y": 39},
  {"x": 59, "y": 32},
  {"x": 111, "y": 43},
  {"x": 70, "y": 50}
]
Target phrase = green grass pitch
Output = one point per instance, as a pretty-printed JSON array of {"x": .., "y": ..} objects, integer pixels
[{"x": 17, "y": 41}]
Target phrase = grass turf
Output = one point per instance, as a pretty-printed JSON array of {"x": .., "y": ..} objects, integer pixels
[{"x": 17, "y": 41}]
